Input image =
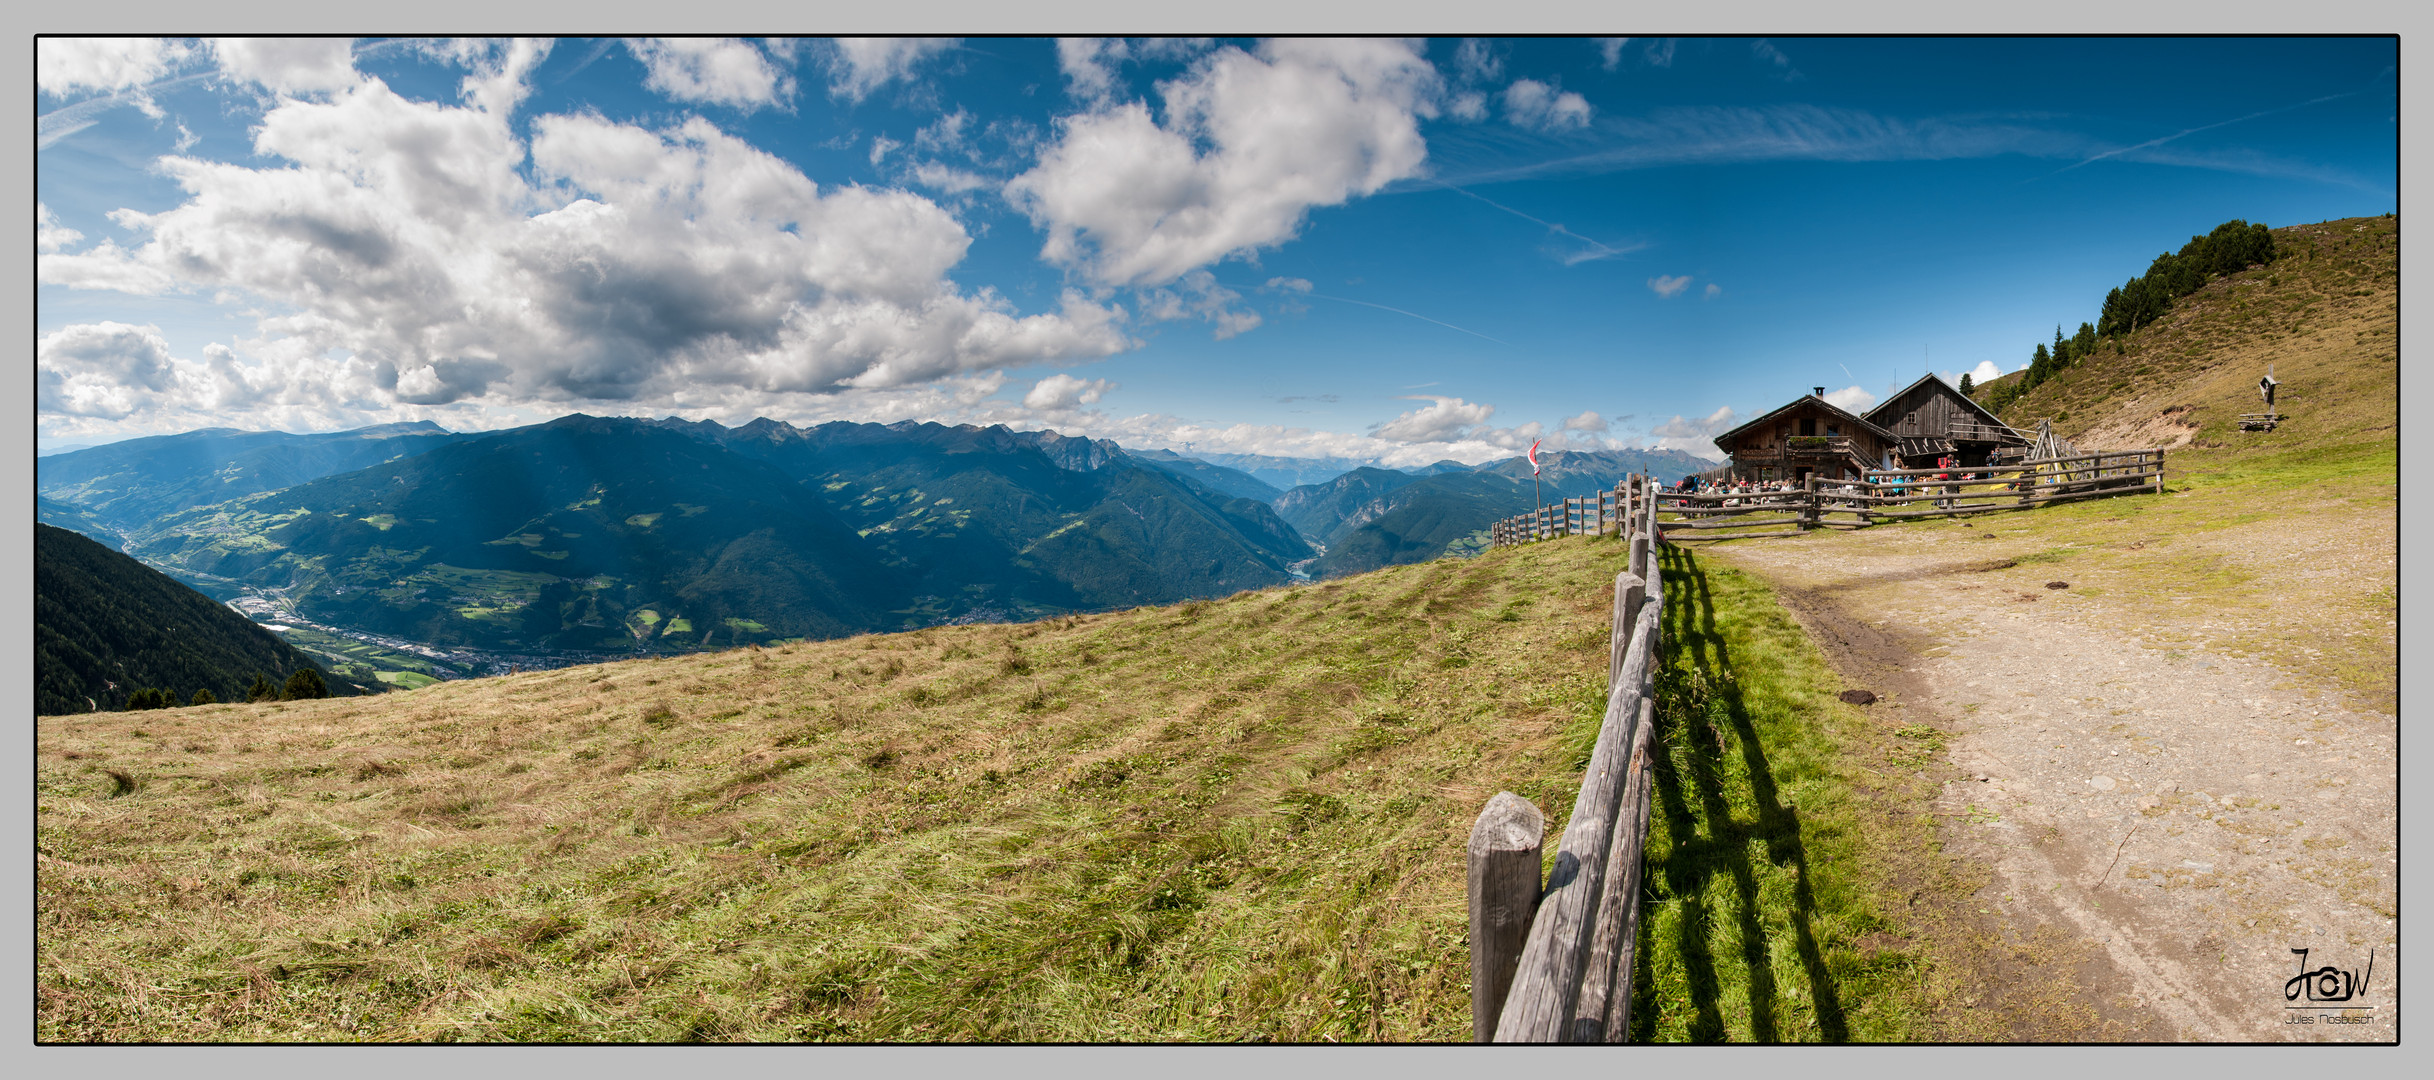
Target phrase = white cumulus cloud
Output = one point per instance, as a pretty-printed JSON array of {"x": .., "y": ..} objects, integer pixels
[
  {"x": 1444, "y": 419},
  {"x": 1714, "y": 290},
  {"x": 633, "y": 264},
  {"x": 1695, "y": 437},
  {"x": 1668, "y": 287},
  {"x": 1089, "y": 65},
  {"x": 1061, "y": 392},
  {"x": 64, "y": 65},
  {"x": 1537, "y": 106},
  {"x": 100, "y": 369},
  {"x": 1475, "y": 62},
  {"x": 859, "y": 66},
  {"x": 287, "y": 65},
  {"x": 718, "y": 71},
  {"x": 1587, "y": 422},
  {"x": 49, "y": 235},
  {"x": 1851, "y": 399},
  {"x": 1250, "y": 143}
]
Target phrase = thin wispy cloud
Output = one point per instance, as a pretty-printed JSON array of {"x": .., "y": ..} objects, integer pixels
[
  {"x": 61, "y": 123},
  {"x": 1718, "y": 134},
  {"x": 1768, "y": 54},
  {"x": 1721, "y": 135},
  {"x": 2150, "y": 143}
]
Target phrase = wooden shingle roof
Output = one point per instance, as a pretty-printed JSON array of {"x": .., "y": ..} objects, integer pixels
[{"x": 1726, "y": 441}]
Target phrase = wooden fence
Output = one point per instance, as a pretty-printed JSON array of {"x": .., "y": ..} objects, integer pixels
[
  {"x": 1900, "y": 494},
  {"x": 1553, "y": 962},
  {"x": 1886, "y": 495}
]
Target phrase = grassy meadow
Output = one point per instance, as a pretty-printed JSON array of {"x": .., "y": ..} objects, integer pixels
[{"x": 1227, "y": 820}]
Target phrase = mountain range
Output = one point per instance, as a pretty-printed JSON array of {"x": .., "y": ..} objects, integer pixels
[
  {"x": 126, "y": 484},
  {"x": 593, "y": 535}
]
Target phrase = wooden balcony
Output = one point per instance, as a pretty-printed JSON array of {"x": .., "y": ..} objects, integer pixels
[
  {"x": 1817, "y": 445},
  {"x": 1972, "y": 431}
]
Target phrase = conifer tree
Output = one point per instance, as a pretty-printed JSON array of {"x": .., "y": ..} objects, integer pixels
[
  {"x": 261, "y": 690},
  {"x": 1964, "y": 384},
  {"x": 305, "y": 683},
  {"x": 203, "y": 696}
]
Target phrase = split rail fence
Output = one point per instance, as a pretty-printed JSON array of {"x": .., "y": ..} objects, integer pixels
[
  {"x": 1885, "y": 495},
  {"x": 1552, "y": 962},
  {"x": 1901, "y": 494}
]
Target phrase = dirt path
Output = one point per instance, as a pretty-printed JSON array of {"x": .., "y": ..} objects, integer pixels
[{"x": 2192, "y": 816}]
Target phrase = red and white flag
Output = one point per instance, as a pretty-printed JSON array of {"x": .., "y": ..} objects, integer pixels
[{"x": 1534, "y": 457}]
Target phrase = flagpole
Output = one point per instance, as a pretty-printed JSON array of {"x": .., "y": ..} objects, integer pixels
[{"x": 1538, "y": 513}]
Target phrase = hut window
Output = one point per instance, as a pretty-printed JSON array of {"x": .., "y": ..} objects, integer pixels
[{"x": 1808, "y": 425}]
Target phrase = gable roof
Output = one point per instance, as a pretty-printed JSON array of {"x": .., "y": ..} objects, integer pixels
[
  {"x": 1725, "y": 441},
  {"x": 1964, "y": 399}
]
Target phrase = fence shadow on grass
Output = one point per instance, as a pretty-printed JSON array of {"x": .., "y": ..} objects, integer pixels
[{"x": 1712, "y": 820}]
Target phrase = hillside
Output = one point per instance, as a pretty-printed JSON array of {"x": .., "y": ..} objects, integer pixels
[
  {"x": 1227, "y": 820},
  {"x": 1371, "y": 518},
  {"x": 607, "y": 535},
  {"x": 2324, "y": 314},
  {"x": 106, "y": 626},
  {"x": 67, "y": 516},
  {"x": 1232, "y": 482},
  {"x": 579, "y": 534},
  {"x": 1026, "y": 523},
  {"x": 125, "y": 485},
  {"x": 1237, "y": 819}
]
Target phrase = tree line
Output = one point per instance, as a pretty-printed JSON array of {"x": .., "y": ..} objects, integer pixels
[
  {"x": 112, "y": 633},
  {"x": 305, "y": 684},
  {"x": 2233, "y": 246}
]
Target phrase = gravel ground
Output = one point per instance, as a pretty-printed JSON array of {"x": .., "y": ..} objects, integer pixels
[{"x": 2193, "y": 816}]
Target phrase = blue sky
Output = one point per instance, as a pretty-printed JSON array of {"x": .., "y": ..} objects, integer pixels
[{"x": 1386, "y": 250}]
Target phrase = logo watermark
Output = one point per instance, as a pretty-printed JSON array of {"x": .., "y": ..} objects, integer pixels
[{"x": 2327, "y": 988}]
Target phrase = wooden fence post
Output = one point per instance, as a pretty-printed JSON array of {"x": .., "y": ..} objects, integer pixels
[
  {"x": 1504, "y": 857},
  {"x": 1630, "y": 591},
  {"x": 1624, "y": 866}
]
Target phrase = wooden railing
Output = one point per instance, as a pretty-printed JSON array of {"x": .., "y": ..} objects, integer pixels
[
  {"x": 1553, "y": 963},
  {"x": 1601, "y": 514},
  {"x": 1899, "y": 494},
  {"x": 1976, "y": 432}
]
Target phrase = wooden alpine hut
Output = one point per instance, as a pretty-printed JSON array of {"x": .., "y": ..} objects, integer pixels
[
  {"x": 1809, "y": 437},
  {"x": 1931, "y": 420}
]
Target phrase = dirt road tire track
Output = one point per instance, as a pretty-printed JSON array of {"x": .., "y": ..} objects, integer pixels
[{"x": 2170, "y": 824}]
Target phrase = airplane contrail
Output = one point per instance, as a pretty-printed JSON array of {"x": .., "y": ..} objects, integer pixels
[
  {"x": 2195, "y": 130},
  {"x": 1604, "y": 250},
  {"x": 1416, "y": 315}
]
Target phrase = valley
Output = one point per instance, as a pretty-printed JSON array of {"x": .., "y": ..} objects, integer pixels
[{"x": 405, "y": 554}]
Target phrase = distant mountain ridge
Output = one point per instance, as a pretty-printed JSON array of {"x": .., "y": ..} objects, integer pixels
[
  {"x": 125, "y": 484},
  {"x": 1369, "y": 518},
  {"x": 614, "y": 534},
  {"x": 608, "y": 534}
]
